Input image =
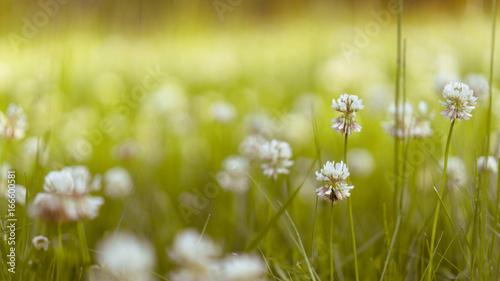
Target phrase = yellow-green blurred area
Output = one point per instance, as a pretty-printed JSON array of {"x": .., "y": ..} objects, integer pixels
[{"x": 100, "y": 78}]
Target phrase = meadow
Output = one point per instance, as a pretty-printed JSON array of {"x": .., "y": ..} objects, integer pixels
[{"x": 198, "y": 149}]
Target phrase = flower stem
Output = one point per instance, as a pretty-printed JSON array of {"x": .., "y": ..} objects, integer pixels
[
  {"x": 83, "y": 242},
  {"x": 354, "y": 252},
  {"x": 438, "y": 205},
  {"x": 331, "y": 242}
]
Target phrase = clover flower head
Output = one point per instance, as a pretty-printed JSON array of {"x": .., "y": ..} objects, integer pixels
[
  {"x": 277, "y": 156},
  {"x": 234, "y": 176},
  {"x": 348, "y": 105},
  {"x": 460, "y": 101},
  {"x": 491, "y": 164},
  {"x": 335, "y": 175},
  {"x": 13, "y": 125},
  {"x": 41, "y": 242},
  {"x": 66, "y": 196}
]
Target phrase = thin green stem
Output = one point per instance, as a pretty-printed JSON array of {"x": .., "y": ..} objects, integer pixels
[
  {"x": 331, "y": 241},
  {"x": 490, "y": 84},
  {"x": 438, "y": 205},
  {"x": 83, "y": 240},
  {"x": 354, "y": 252}
]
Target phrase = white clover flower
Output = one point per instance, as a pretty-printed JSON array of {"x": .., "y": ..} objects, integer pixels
[
  {"x": 20, "y": 194},
  {"x": 491, "y": 164},
  {"x": 277, "y": 154},
  {"x": 36, "y": 146},
  {"x": 347, "y": 104},
  {"x": 127, "y": 150},
  {"x": 456, "y": 171},
  {"x": 234, "y": 176},
  {"x": 41, "y": 242},
  {"x": 13, "y": 125},
  {"x": 195, "y": 255},
  {"x": 66, "y": 196},
  {"x": 242, "y": 268},
  {"x": 250, "y": 146},
  {"x": 460, "y": 101},
  {"x": 118, "y": 182},
  {"x": 191, "y": 249},
  {"x": 415, "y": 124},
  {"x": 478, "y": 83},
  {"x": 335, "y": 175},
  {"x": 223, "y": 112},
  {"x": 125, "y": 257}
]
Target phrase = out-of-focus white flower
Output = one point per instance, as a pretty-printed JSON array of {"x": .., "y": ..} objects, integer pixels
[
  {"x": 35, "y": 146},
  {"x": 250, "y": 146},
  {"x": 460, "y": 101},
  {"x": 259, "y": 124},
  {"x": 196, "y": 255},
  {"x": 335, "y": 175},
  {"x": 20, "y": 194},
  {"x": 491, "y": 164},
  {"x": 478, "y": 83},
  {"x": 442, "y": 78},
  {"x": 127, "y": 150},
  {"x": 348, "y": 105},
  {"x": 242, "y": 268},
  {"x": 4, "y": 170},
  {"x": 456, "y": 171},
  {"x": 40, "y": 242},
  {"x": 415, "y": 124},
  {"x": 13, "y": 125},
  {"x": 66, "y": 196},
  {"x": 117, "y": 182},
  {"x": 361, "y": 162},
  {"x": 125, "y": 257},
  {"x": 234, "y": 176},
  {"x": 277, "y": 154},
  {"x": 223, "y": 112},
  {"x": 191, "y": 249}
]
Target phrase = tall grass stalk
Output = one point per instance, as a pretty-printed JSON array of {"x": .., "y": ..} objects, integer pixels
[
  {"x": 438, "y": 205},
  {"x": 490, "y": 82},
  {"x": 350, "y": 217}
]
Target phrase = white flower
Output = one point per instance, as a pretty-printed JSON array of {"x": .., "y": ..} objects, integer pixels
[
  {"x": 277, "y": 154},
  {"x": 191, "y": 249},
  {"x": 13, "y": 125},
  {"x": 66, "y": 196},
  {"x": 223, "y": 112},
  {"x": 234, "y": 176},
  {"x": 491, "y": 164},
  {"x": 127, "y": 150},
  {"x": 125, "y": 257},
  {"x": 242, "y": 268},
  {"x": 20, "y": 194},
  {"x": 41, "y": 242},
  {"x": 195, "y": 255},
  {"x": 347, "y": 104},
  {"x": 416, "y": 124},
  {"x": 250, "y": 146},
  {"x": 335, "y": 175},
  {"x": 117, "y": 182},
  {"x": 4, "y": 170},
  {"x": 456, "y": 171},
  {"x": 478, "y": 83},
  {"x": 460, "y": 101}
]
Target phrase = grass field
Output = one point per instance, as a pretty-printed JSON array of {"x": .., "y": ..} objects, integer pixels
[{"x": 193, "y": 149}]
